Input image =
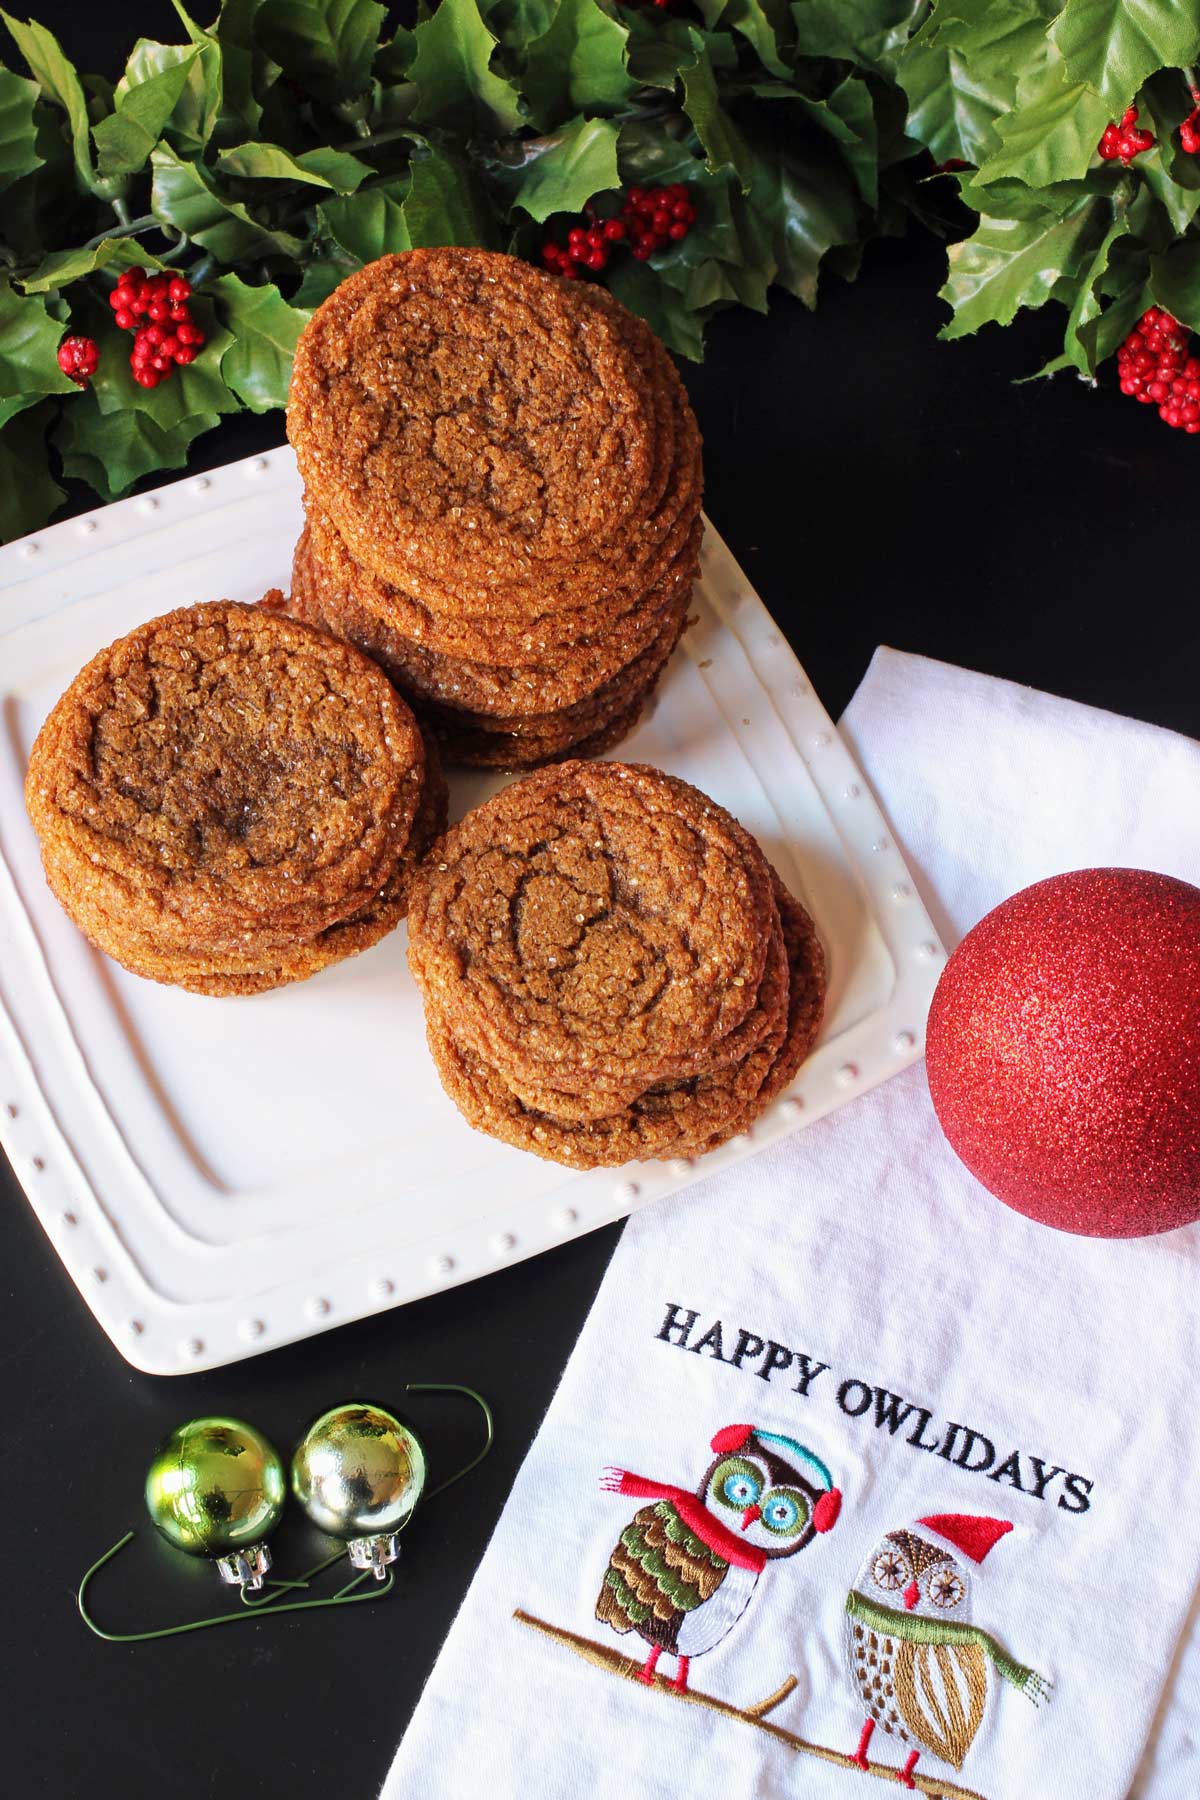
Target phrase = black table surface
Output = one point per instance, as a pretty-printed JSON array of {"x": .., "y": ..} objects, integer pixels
[{"x": 879, "y": 487}]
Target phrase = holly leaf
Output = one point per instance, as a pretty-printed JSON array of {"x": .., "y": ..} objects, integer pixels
[
  {"x": 185, "y": 195},
  {"x": 1175, "y": 281},
  {"x": 1008, "y": 264},
  {"x": 868, "y": 33},
  {"x": 368, "y": 224},
  {"x": 443, "y": 204},
  {"x": 651, "y": 157},
  {"x": 801, "y": 205},
  {"x": 564, "y": 170},
  {"x": 29, "y": 340},
  {"x": 960, "y": 74},
  {"x": 765, "y": 24},
  {"x": 848, "y": 117},
  {"x": 326, "y": 168},
  {"x": 1125, "y": 285},
  {"x": 321, "y": 276},
  {"x": 192, "y": 119},
  {"x": 724, "y": 146},
  {"x": 517, "y": 22},
  {"x": 1114, "y": 45},
  {"x": 111, "y": 451},
  {"x": 28, "y": 495},
  {"x": 1053, "y": 129},
  {"x": 257, "y": 365},
  {"x": 56, "y": 75},
  {"x": 664, "y": 309},
  {"x": 126, "y": 137},
  {"x": 64, "y": 266},
  {"x": 244, "y": 65},
  {"x": 658, "y": 49},
  {"x": 18, "y": 133},
  {"x": 578, "y": 65},
  {"x": 453, "y": 75},
  {"x": 325, "y": 45},
  {"x": 1078, "y": 349}
]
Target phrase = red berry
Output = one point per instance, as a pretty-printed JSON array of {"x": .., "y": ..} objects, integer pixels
[
  {"x": 157, "y": 311},
  {"x": 636, "y": 196},
  {"x": 677, "y": 230},
  {"x": 146, "y": 378},
  {"x": 596, "y": 259},
  {"x": 133, "y": 275},
  {"x": 577, "y": 238},
  {"x": 124, "y": 319},
  {"x": 179, "y": 289},
  {"x": 185, "y": 354},
  {"x": 161, "y": 363},
  {"x": 169, "y": 347},
  {"x": 595, "y": 239},
  {"x": 549, "y": 257},
  {"x": 642, "y": 249},
  {"x": 188, "y": 334},
  {"x": 677, "y": 191},
  {"x": 79, "y": 358},
  {"x": 661, "y": 221},
  {"x": 614, "y": 230}
]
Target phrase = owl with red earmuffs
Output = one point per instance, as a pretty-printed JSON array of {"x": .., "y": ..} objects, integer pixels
[{"x": 687, "y": 1565}]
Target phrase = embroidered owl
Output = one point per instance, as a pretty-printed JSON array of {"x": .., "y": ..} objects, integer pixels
[
  {"x": 917, "y": 1661},
  {"x": 687, "y": 1564}
]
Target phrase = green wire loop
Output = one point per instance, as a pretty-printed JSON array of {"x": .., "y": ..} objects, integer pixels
[
  {"x": 345, "y": 1596},
  {"x": 456, "y": 1387}
]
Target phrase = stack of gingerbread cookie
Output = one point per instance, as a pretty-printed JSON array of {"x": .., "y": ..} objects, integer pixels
[
  {"x": 502, "y": 497},
  {"x": 611, "y": 969},
  {"x": 228, "y": 800}
]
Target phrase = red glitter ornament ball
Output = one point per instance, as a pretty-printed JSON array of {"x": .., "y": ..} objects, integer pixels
[{"x": 1063, "y": 1052}]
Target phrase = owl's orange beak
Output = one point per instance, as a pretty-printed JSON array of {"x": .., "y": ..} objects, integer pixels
[
  {"x": 912, "y": 1594},
  {"x": 748, "y": 1517}
]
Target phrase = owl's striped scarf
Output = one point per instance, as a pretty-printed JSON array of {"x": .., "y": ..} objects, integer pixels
[{"x": 889, "y": 1623}]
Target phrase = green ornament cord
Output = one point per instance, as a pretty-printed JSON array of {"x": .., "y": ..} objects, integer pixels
[{"x": 230, "y": 1438}]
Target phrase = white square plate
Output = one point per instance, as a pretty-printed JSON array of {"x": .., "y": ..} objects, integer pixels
[{"x": 222, "y": 1176}]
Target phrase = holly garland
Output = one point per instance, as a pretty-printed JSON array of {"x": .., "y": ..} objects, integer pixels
[{"x": 163, "y": 240}]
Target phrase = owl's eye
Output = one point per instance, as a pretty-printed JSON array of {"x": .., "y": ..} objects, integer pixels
[
  {"x": 785, "y": 1512},
  {"x": 890, "y": 1571},
  {"x": 737, "y": 1483},
  {"x": 945, "y": 1588}
]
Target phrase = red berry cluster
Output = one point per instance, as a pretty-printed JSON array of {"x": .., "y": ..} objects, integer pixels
[
  {"x": 587, "y": 247},
  {"x": 170, "y": 335},
  {"x": 649, "y": 218},
  {"x": 1189, "y": 131},
  {"x": 657, "y": 216},
  {"x": 79, "y": 358},
  {"x": 1156, "y": 369},
  {"x": 1121, "y": 143}
]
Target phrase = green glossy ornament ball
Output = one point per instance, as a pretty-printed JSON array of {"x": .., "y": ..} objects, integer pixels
[
  {"x": 358, "y": 1472},
  {"x": 215, "y": 1485}
]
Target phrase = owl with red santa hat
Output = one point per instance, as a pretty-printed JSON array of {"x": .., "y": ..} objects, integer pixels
[
  {"x": 919, "y": 1663},
  {"x": 686, "y": 1566}
]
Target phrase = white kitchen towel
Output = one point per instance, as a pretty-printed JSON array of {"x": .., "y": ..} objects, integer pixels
[{"x": 842, "y": 1369}]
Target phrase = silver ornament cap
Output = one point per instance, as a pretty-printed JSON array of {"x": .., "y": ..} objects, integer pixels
[{"x": 359, "y": 1473}]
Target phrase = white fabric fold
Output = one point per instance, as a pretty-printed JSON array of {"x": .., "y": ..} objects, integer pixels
[{"x": 853, "y": 1302}]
